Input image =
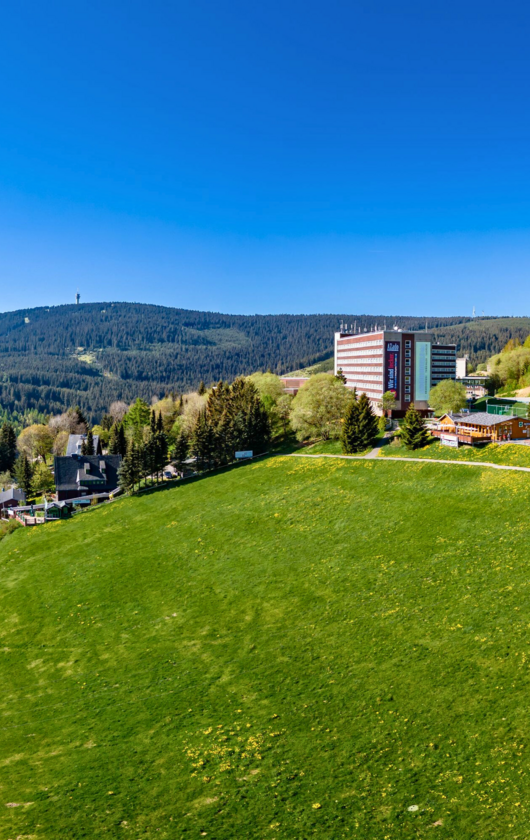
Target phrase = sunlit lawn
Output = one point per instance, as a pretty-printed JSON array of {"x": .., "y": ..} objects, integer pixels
[
  {"x": 510, "y": 454},
  {"x": 294, "y": 648}
]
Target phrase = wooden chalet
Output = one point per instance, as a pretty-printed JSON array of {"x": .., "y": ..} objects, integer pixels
[{"x": 482, "y": 428}]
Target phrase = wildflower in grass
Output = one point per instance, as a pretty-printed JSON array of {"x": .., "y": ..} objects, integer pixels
[{"x": 317, "y": 805}]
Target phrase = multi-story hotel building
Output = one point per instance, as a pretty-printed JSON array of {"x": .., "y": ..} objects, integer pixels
[{"x": 406, "y": 363}]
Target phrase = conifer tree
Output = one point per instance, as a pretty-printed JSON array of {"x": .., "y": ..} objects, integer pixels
[
  {"x": 113, "y": 440},
  {"x": 78, "y": 421},
  {"x": 131, "y": 467},
  {"x": 414, "y": 433},
  {"x": 181, "y": 450},
  {"x": 138, "y": 416},
  {"x": 118, "y": 441},
  {"x": 367, "y": 423},
  {"x": 24, "y": 474},
  {"x": 204, "y": 443},
  {"x": 87, "y": 447},
  {"x": 8, "y": 448},
  {"x": 350, "y": 437},
  {"x": 161, "y": 451},
  {"x": 122, "y": 441},
  {"x": 107, "y": 422},
  {"x": 125, "y": 473},
  {"x": 201, "y": 389},
  {"x": 146, "y": 451}
]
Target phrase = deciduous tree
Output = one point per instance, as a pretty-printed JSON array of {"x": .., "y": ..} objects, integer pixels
[
  {"x": 319, "y": 407},
  {"x": 447, "y": 396},
  {"x": 36, "y": 441},
  {"x": 42, "y": 481}
]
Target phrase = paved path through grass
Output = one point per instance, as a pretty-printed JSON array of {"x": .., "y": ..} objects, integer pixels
[{"x": 375, "y": 452}]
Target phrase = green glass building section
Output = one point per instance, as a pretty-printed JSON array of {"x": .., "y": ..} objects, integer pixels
[{"x": 422, "y": 379}]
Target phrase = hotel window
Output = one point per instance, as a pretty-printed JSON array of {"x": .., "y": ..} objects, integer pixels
[
  {"x": 407, "y": 371},
  {"x": 407, "y": 397},
  {"x": 407, "y": 389},
  {"x": 407, "y": 382},
  {"x": 408, "y": 344},
  {"x": 408, "y": 352}
]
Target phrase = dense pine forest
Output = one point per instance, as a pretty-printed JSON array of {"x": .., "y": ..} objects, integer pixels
[{"x": 92, "y": 354}]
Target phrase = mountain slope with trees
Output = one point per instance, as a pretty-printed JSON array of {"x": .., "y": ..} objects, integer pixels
[{"x": 92, "y": 354}]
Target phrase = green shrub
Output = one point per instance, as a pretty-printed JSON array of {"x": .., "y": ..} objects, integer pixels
[{"x": 7, "y": 526}]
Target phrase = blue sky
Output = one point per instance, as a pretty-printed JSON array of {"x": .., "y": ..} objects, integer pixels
[{"x": 278, "y": 157}]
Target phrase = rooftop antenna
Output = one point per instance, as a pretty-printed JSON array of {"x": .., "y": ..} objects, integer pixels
[
  {"x": 355, "y": 327},
  {"x": 474, "y": 313},
  {"x": 482, "y": 313}
]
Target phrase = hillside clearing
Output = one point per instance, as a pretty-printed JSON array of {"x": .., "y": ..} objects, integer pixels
[{"x": 294, "y": 648}]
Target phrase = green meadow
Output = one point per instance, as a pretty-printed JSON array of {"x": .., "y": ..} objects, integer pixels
[
  {"x": 289, "y": 649},
  {"x": 505, "y": 454}
]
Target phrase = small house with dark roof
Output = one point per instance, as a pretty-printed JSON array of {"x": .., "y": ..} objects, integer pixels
[
  {"x": 56, "y": 510},
  {"x": 12, "y": 498},
  {"x": 85, "y": 475},
  {"x": 75, "y": 443},
  {"x": 482, "y": 427}
]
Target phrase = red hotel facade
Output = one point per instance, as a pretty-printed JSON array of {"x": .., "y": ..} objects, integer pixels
[{"x": 406, "y": 363}]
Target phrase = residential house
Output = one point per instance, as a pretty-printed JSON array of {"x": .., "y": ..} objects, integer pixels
[
  {"x": 12, "y": 498},
  {"x": 75, "y": 443},
  {"x": 85, "y": 475}
]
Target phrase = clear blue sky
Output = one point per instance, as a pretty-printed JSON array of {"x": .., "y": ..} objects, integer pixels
[{"x": 267, "y": 157}]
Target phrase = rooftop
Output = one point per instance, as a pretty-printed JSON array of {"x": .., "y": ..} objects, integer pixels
[
  {"x": 481, "y": 418},
  {"x": 75, "y": 442}
]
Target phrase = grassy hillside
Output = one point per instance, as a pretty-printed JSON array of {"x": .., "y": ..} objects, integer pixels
[
  {"x": 326, "y": 366},
  {"x": 292, "y": 649},
  {"x": 95, "y": 353},
  {"x": 505, "y": 454}
]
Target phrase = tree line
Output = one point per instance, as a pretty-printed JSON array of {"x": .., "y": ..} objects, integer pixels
[{"x": 93, "y": 354}]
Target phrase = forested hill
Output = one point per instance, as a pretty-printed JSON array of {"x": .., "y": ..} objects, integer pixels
[{"x": 92, "y": 354}]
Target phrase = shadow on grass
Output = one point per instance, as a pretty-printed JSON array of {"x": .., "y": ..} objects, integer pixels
[{"x": 191, "y": 479}]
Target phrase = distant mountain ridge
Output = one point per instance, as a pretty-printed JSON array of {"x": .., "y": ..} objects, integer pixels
[{"x": 91, "y": 354}]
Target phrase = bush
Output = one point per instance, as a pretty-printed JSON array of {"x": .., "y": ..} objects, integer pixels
[{"x": 8, "y": 526}]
